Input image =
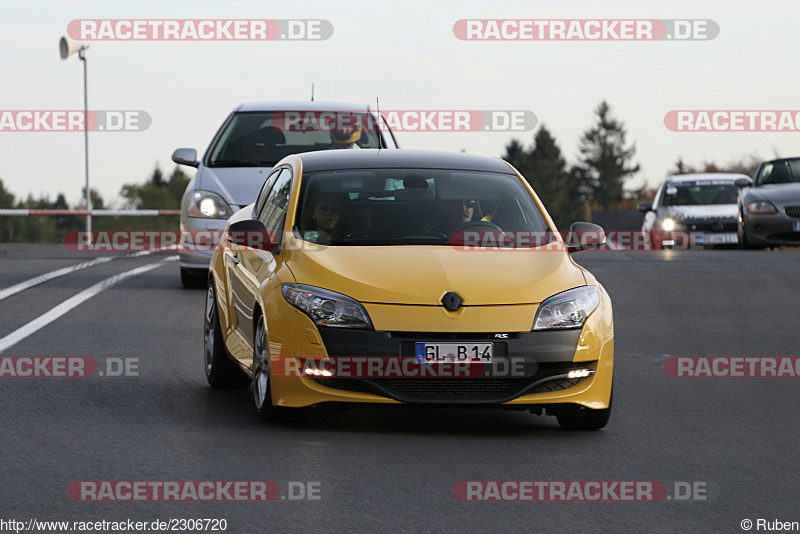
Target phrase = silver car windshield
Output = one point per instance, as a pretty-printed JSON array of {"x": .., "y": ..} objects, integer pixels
[
  {"x": 411, "y": 206},
  {"x": 699, "y": 193},
  {"x": 261, "y": 139},
  {"x": 779, "y": 172}
]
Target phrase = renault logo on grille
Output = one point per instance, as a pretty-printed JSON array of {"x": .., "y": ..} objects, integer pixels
[{"x": 451, "y": 301}]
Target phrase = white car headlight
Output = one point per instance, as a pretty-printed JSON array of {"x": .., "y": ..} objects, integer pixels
[
  {"x": 568, "y": 309},
  {"x": 210, "y": 205},
  {"x": 668, "y": 225},
  {"x": 326, "y": 308}
]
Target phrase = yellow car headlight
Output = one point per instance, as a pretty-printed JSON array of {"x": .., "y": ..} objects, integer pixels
[
  {"x": 568, "y": 309},
  {"x": 326, "y": 308}
]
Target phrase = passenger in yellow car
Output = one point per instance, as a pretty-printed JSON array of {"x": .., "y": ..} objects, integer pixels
[{"x": 321, "y": 218}]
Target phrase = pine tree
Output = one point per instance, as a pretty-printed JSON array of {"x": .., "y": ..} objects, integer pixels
[
  {"x": 545, "y": 168},
  {"x": 157, "y": 178},
  {"x": 606, "y": 159}
]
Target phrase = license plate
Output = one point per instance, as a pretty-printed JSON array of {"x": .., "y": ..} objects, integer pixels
[
  {"x": 726, "y": 238},
  {"x": 796, "y": 226},
  {"x": 454, "y": 352}
]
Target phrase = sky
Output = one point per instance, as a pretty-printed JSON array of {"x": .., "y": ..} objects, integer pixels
[{"x": 405, "y": 53}]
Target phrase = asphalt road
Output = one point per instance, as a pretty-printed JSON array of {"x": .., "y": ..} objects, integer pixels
[{"x": 394, "y": 469}]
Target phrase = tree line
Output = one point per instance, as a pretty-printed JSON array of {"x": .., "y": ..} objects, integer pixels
[
  {"x": 596, "y": 180},
  {"x": 570, "y": 192},
  {"x": 157, "y": 192}
]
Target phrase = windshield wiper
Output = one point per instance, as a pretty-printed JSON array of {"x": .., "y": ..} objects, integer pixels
[
  {"x": 242, "y": 163},
  {"x": 233, "y": 163}
]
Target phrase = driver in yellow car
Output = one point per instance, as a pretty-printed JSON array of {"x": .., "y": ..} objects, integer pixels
[{"x": 456, "y": 213}]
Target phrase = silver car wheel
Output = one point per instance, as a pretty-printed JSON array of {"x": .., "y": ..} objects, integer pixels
[{"x": 261, "y": 368}]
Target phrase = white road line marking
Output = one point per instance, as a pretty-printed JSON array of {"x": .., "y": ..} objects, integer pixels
[
  {"x": 42, "y": 278},
  {"x": 43, "y": 320},
  {"x": 22, "y": 286}
]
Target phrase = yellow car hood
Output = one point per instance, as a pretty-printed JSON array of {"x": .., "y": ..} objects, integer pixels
[{"x": 420, "y": 274}]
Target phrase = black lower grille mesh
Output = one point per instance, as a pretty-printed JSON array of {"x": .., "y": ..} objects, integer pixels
[{"x": 484, "y": 389}]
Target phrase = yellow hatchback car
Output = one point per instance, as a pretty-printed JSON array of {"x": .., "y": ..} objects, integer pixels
[{"x": 408, "y": 277}]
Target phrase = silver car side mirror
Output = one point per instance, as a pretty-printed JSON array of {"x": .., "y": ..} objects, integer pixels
[{"x": 186, "y": 156}]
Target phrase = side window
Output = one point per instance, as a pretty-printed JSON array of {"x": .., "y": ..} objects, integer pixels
[
  {"x": 764, "y": 175},
  {"x": 274, "y": 209},
  {"x": 265, "y": 189}
]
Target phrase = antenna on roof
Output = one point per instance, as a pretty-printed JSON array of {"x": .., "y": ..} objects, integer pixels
[
  {"x": 380, "y": 132},
  {"x": 312, "y": 91}
]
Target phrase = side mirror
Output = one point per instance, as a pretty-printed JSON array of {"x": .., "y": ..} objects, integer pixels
[
  {"x": 251, "y": 233},
  {"x": 186, "y": 156},
  {"x": 743, "y": 182},
  {"x": 585, "y": 236},
  {"x": 644, "y": 207}
]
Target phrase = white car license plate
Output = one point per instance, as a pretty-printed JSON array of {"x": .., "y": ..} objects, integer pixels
[
  {"x": 796, "y": 226},
  {"x": 725, "y": 238},
  {"x": 454, "y": 352}
]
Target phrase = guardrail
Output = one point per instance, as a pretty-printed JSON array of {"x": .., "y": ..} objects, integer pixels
[{"x": 84, "y": 213}]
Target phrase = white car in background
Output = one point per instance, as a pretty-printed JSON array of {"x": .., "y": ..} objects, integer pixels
[
  {"x": 241, "y": 157},
  {"x": 700, "y": 206}
]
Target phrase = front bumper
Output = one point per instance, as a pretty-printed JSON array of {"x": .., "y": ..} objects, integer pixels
[
  {"x": 703, "y": 233},
  {"x": 547, "y": 356},
  {"x": 198, "y": 257},
  {"x": 772, "y": 230},
  {"x": 524, "y": 363}
]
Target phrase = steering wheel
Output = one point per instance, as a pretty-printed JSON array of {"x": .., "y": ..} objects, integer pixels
[{"x": 477, "y": 225}]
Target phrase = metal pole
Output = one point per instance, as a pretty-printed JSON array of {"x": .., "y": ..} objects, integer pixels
[{"x": 82, "y": 55}]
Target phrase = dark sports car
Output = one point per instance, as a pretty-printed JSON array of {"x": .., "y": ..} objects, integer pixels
[{"x": 769, "y": 206}]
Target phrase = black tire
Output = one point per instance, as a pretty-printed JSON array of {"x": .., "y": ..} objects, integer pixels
[
  {"x": 744, "y": 243},
  {"x": 590, "y": 420},
  {"x": 221, "y": 372},
  {"x": 262, "y": 392},
  {"x": 193, "y": 278}
]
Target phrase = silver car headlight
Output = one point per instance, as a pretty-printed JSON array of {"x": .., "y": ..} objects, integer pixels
[
  {"x": 209, "y": 205},
  {"x": 568, "y": 309},
  {"x": 326, "y": 308}
]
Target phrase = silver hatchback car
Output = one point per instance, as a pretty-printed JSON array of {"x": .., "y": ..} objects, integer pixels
[{"x": 242, "y": 154}]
